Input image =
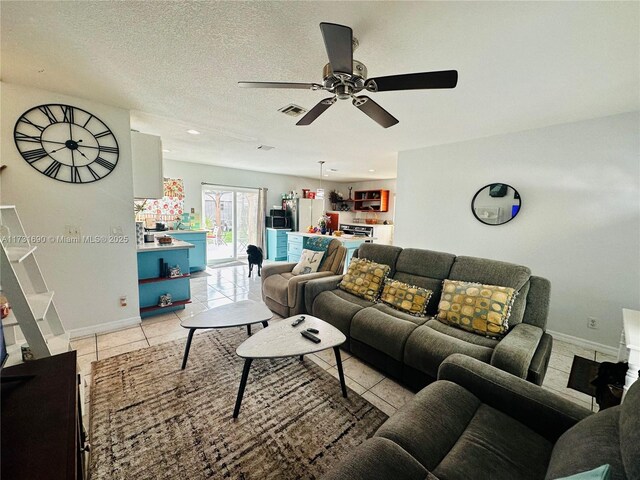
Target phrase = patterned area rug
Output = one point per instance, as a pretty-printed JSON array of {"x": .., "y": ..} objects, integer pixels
[{"x": 149, "y": 419}]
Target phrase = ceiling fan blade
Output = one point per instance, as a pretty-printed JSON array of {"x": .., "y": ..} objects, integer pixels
[
  {"x": 338, "y": 41},
  {"x": 300, "y": 86},
  {"x": 374, "y": 111},
  {"x": 316, "y": 111},
  {"x": 414, "y": 81}
]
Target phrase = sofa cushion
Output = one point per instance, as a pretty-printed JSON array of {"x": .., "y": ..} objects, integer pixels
[
  {"x": 498, "y": 447},
  {"x": 338, "y": 308},
  {"x": 461, "y": 334},
  {"x": 398, "y": 314},
  {"x": 426, "y": 269},
  {"x": 493, "y": 272},
  {"x": 590, "y": 443},
  {"x": 378, "y": 459},
  {"x": 630, "y": 430},
  {"x": 426, "y": 348},
  {"x": 309, "y": 262},
  {"x": 364, "y": 278},
  {"x": 404, "y": 297},
  {"x": 430, "y": 425},
  {"x": 381, "y": 331},
  {"x": 384, "y": 254},
  {"x": 477, "y": 308},
  {"x": 276, "y": 287}
]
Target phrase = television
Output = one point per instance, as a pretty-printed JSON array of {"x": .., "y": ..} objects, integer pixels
[{"x": 498, "y": 190}]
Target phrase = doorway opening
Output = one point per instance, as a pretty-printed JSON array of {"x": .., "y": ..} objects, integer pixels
[{"x": 230, "y": 216}]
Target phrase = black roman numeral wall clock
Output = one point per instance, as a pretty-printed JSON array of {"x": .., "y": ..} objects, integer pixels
[{"x": 66, "y": 143}]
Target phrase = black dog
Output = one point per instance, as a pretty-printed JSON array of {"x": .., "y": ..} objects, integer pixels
[{"x": 255, "y": 258}]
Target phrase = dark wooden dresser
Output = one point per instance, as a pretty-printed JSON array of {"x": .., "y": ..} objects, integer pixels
[{"x": 41, "y": 430}]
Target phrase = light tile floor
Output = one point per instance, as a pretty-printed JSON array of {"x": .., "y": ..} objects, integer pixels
[{"x": 229, "y": 284}]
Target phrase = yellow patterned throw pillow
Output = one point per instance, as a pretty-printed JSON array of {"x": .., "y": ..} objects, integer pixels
[
  {"x": 482, "y": 309},
  {"x": 404, "y": 297},
  {"x": 364, "y": 278}
]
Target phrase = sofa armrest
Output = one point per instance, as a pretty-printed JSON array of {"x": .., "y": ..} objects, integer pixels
[
  {"x": 316, "y": 287},
  {"x": 296, "y": 286},
  {"x": 542, "y": 411},
  {"x": 514, "y": 352},
  {"x": 275, "y": 269}
]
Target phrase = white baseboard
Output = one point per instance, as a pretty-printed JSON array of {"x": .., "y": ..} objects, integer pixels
[
  {"x": 105, "y": 327},
  {"x": 581, "y": 342}
]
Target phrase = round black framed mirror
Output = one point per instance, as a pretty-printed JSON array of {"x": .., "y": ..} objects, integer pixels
[{"x": 496, "y": 204}]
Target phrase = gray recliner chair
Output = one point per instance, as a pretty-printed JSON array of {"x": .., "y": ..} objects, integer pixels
[
  {"x": 283, "y": 292},
  {"x": 478, "y": 422}
]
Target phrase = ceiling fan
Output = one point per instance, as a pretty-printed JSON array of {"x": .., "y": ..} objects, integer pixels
[{"x": 345, "y": 77}]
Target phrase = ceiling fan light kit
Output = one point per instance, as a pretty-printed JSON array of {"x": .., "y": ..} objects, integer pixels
[{"x": 345, "y": 77}]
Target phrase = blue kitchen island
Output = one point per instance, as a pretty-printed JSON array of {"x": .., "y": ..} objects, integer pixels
[
  {"x": 198, "y": 254},
  {"x": 297, "y": 241},
  {"x": 151, "y": 283}
]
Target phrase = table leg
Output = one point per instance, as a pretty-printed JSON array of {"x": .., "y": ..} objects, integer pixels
[
  {"x": 265, "y": 324},
  {"x": 243, "y": 384},
  {"x": 340, "y": 372},
  {"x": 301, "y": 357},
  {"x": 186, "y": 350},
  {"x": 249, "y": 330}
]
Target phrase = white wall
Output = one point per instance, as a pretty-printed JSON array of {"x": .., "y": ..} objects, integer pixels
[
  {"x": 88, "y": 279},
  {"x": 579, "y": 225},
  {"x": 349, "y": 217},
  {"x": 194, "y": 174}
]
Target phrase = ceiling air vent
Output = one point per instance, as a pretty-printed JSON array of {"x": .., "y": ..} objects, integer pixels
[
  {"x": 265, "y": 147},
  {"x": 292, "y": 110}
]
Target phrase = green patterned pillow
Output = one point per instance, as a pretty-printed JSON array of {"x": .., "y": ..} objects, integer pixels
[
  {"x": 477, "y": 308},
  {"x": 406, "y": 298},
  {"x": 364, "y": 278}
]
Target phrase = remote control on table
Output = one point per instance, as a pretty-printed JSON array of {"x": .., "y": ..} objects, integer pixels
[
  {"x": 310, "y": 336},
  {"x": 312, "y": 330},
  {"x": 298, "y": 321}
]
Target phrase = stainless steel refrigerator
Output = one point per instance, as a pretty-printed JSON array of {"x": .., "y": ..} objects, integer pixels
[{"x": 303, "y": 212}]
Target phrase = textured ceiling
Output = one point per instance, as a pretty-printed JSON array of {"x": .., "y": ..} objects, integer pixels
[{"x": 521, "y": 64}]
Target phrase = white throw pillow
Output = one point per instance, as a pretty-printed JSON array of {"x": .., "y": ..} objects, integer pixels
[{"x": 309, "y": 262}]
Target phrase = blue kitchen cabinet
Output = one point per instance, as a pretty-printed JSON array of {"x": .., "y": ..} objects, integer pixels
[
  {"x": 150, "y": 283},
  {"x": 277, "y": 243},
  {"x": 197, "y": 254},
  {"x": 294, "y": 247}
]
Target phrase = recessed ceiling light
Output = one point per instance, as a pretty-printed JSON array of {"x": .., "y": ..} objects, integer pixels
[
  {"x": 326, "y": 174},
  {"x": 372, "y": 170},
  {"x": 165, "y": 150},
  {"x": 193, "y": 132}
]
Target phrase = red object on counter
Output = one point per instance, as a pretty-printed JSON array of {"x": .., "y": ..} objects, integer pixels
[
  {"x": 311, "y": 195},
  {"x": 334, "y": 222}
]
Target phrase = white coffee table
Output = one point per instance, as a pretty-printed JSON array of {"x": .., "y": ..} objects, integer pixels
[
  {"x": 235, "y": 314},
  {"x": 282, "y": 340}
]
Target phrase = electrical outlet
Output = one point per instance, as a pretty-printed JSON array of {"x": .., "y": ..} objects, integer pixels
[
  {"x": 123, "y": 301},
  {"x": 592, "y": 322},
  {"x": 72, "y": 231}
]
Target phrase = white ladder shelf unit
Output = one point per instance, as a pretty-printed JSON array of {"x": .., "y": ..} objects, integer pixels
[{"x": 33, "y": 310}]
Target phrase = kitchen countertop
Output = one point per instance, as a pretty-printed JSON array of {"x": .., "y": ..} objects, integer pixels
[
  {"x": 154, "y": 247},
  {"x": 341, "y": 237},
  {"x": 367, "y": 224},
  {"x": 171, "y": 232}
]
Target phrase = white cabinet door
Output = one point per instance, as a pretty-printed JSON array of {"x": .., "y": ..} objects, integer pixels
[
  {"x": 146, "y": 155},
  {"x": 383, "y": 234}
]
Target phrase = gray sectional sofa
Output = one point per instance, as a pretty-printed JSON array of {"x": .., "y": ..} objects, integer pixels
[
  {"x": 412, "y": 348},
  {"x": 478, "y": 422}
]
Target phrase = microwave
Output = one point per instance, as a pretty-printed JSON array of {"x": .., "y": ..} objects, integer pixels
[{"x": 278, "y": 222}]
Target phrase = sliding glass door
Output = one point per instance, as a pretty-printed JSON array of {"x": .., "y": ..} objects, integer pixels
[{"x": 231, "y": 218}]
